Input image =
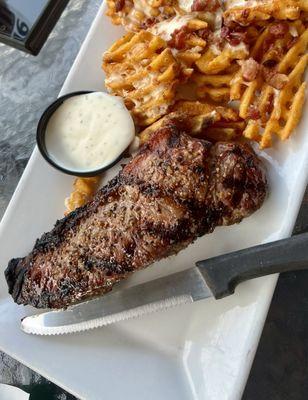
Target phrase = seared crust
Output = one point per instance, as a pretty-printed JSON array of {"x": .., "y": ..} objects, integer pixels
[{"x": 175, "y": 189}]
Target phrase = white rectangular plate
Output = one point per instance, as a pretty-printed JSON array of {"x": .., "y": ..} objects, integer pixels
[{"x": 200, "y": 351}]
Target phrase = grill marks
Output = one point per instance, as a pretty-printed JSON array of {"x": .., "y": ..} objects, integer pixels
[
  {"x": 175, "y": 189},
  {"x": 172, "y": 167}
]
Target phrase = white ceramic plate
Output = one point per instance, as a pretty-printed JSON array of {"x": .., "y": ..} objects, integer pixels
[{"x": 200, "y": 351}]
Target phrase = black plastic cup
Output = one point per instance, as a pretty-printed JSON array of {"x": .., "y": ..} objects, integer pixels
[{"x": 41, "y": 133}]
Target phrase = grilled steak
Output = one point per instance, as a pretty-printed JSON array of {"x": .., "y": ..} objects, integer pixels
[{"x": 175, "y": 189}]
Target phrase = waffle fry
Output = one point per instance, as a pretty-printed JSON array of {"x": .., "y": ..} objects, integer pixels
[
  {"x": 193, "y": 108},
  {"x": 225, "y": 123},
  {"x": 194, "y": 124},
  {"x": 135, "y": 15},
  {"x": 200, "y": 119},
  {"x": 213, "y": 61},
  {"x": 274, "y": 99},
  {"x": 255, "y": 11},
  {"x": 140, "y": 68},
  {"x": 83, "y": 191},
  {"x": 214, "y": 87},
  {"x": 184, "y": 35}
]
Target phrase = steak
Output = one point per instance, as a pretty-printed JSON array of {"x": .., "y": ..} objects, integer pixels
[{"x": 174, "y": 190}]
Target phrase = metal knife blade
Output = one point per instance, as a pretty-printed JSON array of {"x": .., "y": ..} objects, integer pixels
[{"x": 159, "y": 294}]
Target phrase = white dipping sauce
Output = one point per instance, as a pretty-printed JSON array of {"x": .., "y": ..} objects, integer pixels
[{"x": 88, "y": 132}]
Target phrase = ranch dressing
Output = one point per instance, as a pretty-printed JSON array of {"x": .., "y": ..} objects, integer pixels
[{"x": 89, "y": 132}]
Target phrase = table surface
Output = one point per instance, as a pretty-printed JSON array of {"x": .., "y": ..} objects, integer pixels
[{"x": 28, "y": 84}]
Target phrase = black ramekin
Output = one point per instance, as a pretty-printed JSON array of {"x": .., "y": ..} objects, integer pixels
[{"x": 41, "y": 132}]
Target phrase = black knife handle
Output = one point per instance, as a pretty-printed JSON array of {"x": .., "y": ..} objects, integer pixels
[{"x": 224, "y": 273}]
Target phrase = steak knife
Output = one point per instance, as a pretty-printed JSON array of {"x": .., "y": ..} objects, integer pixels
[{"x": 216, "y": 277}]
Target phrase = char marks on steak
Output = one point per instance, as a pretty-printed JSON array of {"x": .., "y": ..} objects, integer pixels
[{"x": 175, "y": 189}]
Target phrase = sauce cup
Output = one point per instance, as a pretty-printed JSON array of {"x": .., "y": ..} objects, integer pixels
[{"x": 43, "y": 148}]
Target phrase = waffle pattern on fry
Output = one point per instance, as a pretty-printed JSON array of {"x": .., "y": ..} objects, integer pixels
[
  {"x": 214, "y": 71},
  {"x": 273, "y": 99},
  {"x": 214, "y": 60},
  {"x": 224, "y": 124},
  {"x": 214, "y": 87},
  {"x": 200, "y": 119},
  {"x": 140, "y": 68},
  {"x": 184, "y": 35},
  {"x": 251, "y": 11},
  {"x": 135, "y": 15},
  {"x": 250, "y": 51}
]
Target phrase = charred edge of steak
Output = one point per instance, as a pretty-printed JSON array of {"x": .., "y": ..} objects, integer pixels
[
  {"x": 47, "y": 300},
  {"x": 14, "y": 275},
  {"x": 16, "y": 270},
  {"x": 52, "y": 239}
]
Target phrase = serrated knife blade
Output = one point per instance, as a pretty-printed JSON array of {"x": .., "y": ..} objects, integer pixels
[{"x": 135, "y": 301}]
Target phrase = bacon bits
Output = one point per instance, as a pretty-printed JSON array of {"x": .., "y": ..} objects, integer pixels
[
  {"x": 278, "y": 81},
  {"x": 274, "y": 79},
  {"x": 205, "y": 5},
  {"x": 233, "y": 36},
  {"x": 119, "y": 4},
  {"x": 253, "y": 112},
  {"x": 250, "y": 69},
  {"x": 178, "y": 38},
  {"x": 279, "y": 29}
]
